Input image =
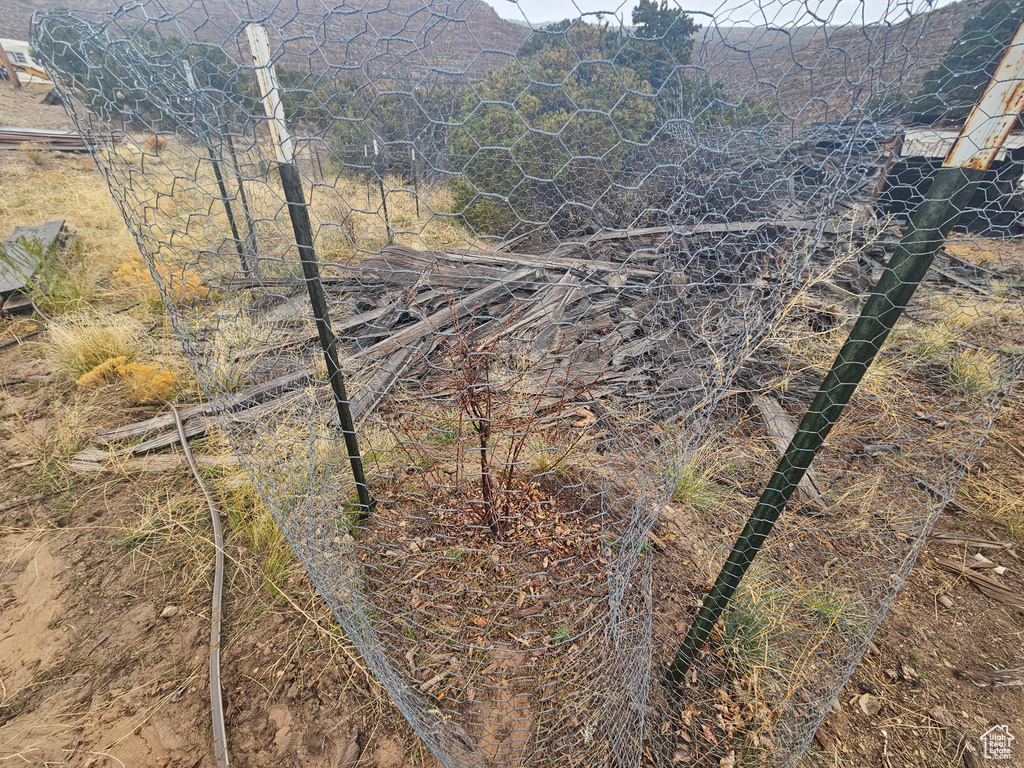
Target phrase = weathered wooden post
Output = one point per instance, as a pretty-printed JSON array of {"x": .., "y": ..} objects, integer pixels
[{"x": 12, "y": 73}]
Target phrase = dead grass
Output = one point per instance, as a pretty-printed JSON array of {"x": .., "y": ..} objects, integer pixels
[
  {"x": 263, "y": 557},
  {"x": 171, "y": 538},
  {"x": 348, "y": 215},
  {"x": 74, "y": 422},
  {"x": 35, "y": 153},
  {"x": 975, "y": 372},
  {"x": 80, "y": 343},
  {"x": 692, "y": 477},
  {"x": 961, "y": 313},
  {"x": 996, "y": 494},
  {"x": 71, "y": 190},
  {"x": 352, "y": 226}
]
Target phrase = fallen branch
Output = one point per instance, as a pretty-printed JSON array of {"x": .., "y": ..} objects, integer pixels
[{"x": 974, "y": 542}]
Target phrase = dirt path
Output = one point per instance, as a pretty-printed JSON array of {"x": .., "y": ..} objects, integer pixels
[
  {"x": 24, "y": 109},
  {"x": 103, "y": 648}
]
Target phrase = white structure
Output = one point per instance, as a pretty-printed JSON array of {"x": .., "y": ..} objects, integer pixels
[
  {"x": 19, "y": 54},
  {"x": 937, "y": 142}
]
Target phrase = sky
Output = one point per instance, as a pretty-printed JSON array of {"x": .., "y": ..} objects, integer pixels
[{"x": 729, "y": 12}]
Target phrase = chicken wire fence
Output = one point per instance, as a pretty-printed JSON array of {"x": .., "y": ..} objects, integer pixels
[{"x": 577, "y": 285}]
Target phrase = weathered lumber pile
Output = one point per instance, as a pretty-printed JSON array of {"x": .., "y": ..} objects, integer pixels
[
  {"x": 664, "y": 316},
  {"x": 41, "y": 138}
]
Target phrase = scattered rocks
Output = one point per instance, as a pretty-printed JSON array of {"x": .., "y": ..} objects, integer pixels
[{"x": 869, "y": 705}]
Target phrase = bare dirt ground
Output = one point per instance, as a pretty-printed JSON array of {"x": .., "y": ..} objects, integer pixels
[
  {"x": 103, "y": 648},
  {"x": 924, "y": 655},
  {"x": 23, "y": 109}
]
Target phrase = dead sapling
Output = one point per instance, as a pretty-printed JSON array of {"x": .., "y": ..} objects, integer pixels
[{"x": 499, "y": 409}]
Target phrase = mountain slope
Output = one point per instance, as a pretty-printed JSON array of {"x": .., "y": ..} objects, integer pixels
[
  {"x": 813, "y": 73},
  {"x": 818, "y": 73},
  {"x": 413, "y": 36}
]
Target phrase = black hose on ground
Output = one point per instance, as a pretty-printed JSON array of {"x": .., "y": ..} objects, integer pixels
[{"x": 220, "y": 740}]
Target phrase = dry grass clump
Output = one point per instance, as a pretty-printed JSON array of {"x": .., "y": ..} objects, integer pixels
[
  {"x": 814, "y": 352},
  {"x": 74, "y": 423},
  {"x": 182, "y": 285},
  {"x": 35, "y": 152},
  {"x": 966, "y": 370},
  {"x": 927, "y": 343},
  {"x": 144, "y": 383},
  {"x": 254, "y": 532},
  {"x": 691, "y": 477},
  {"x": 380, "y": 448},
  {"x": 1003, "y": 255},
  {"x": 975, "y": 372},
  {"x": 998, "y": 499},
  {"x": 80, "y": 343}
]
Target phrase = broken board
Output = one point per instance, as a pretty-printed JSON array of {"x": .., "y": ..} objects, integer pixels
[{"x": 19, "y": 266}]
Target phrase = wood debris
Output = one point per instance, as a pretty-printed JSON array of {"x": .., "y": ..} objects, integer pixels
[
  {"x": 987, "y": 586},
  {"x": 782, "y": 430},
  {"x": 636, "y": 308},
  {"x": 19, "y": 266}
]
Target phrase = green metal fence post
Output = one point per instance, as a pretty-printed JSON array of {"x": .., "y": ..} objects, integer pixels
[
  {"x": 298, "y": 212},
  {"x": 980, "y": 141}
]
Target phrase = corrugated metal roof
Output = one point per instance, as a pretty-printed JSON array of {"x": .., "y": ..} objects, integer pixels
[{"x": 937, "y": 142}]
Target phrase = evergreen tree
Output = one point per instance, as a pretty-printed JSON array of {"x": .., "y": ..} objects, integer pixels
[{"x": 953, "y": 88}]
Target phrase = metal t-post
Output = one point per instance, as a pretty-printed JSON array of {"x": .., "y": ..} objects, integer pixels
[
  {"x": 383, "y": 194},
  {"x": 249, "y": 223},
  {"x": 298, "y": 212},
  {"x": 201, "y": 118},
  {"x": 415, "y": 180},
  {"x": 955, "y": 182}
]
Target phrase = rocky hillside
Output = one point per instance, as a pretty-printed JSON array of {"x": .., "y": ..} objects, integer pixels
[
  {"x": 830, "y": 72},
  {"x": 397, "y": 36},
  {"x": 813, "y": 73}
]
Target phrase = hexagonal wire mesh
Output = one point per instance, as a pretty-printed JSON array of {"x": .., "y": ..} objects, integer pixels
[{"x": 579, "y": 281}]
